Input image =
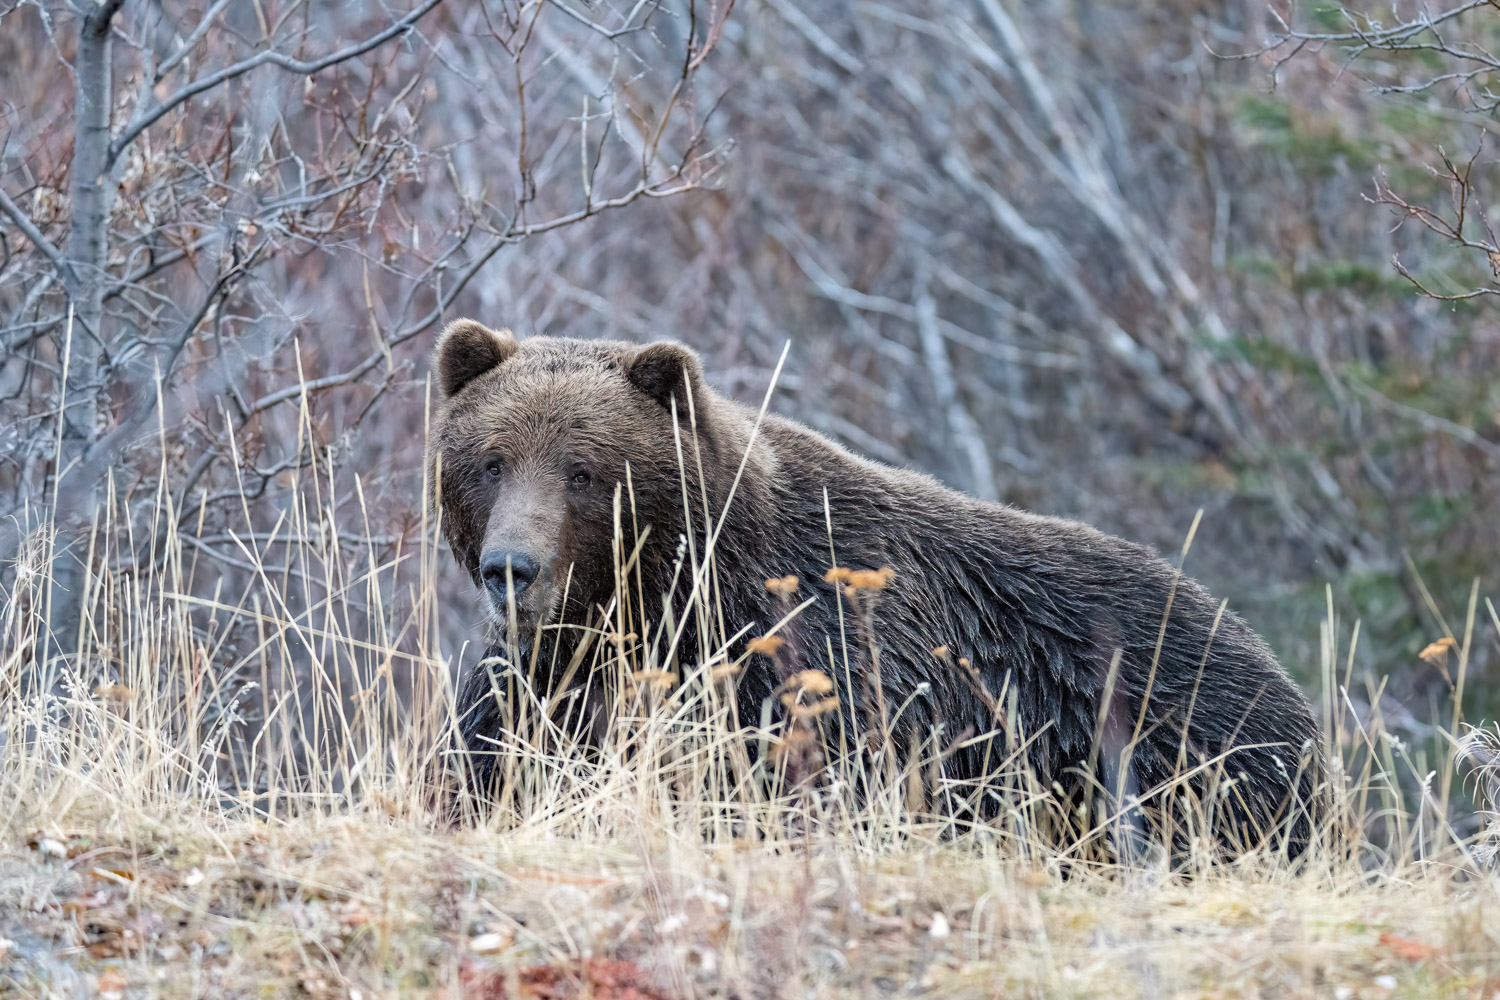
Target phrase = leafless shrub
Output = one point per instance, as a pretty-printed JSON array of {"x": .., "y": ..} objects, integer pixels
[
  {"x": 1442, "y": 52},
  {"x": 234, "y": 233}
]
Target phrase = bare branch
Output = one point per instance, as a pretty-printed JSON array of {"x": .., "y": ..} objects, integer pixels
[
  {"x": 514, "y": 235},
  {"x": 148, "y": 117},
  {"x": 204, "y": 25},
  {"x": 1430, "y": 421},
  {"x": 24, "y": 224}
]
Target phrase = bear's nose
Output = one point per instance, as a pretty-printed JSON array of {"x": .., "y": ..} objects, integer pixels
[{"x": 523, "y": 570}]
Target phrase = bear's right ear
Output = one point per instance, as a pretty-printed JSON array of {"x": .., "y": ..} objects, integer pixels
[{"x": 466, "y": 350}]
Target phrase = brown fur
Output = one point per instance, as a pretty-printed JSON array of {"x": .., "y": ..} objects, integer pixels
[{"x": 532, "y": 439}]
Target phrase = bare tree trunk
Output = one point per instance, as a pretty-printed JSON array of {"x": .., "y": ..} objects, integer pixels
[
  {"x": 86, "y": 255},
  {"x": 92, "y": 198},
  {"x": 961, "y": 423}
]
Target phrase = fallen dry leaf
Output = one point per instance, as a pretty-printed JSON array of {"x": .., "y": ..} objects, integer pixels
[
  {"x": 600, "y": 978},
  {"x": 1407, "y": 948}
]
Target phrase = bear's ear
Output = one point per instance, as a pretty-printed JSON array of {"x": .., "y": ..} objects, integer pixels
[
  {"x": 665, "y": 371},
  {"x": 467, "y": 349}
]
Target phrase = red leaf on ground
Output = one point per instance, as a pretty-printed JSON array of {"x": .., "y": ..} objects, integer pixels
[
  {"x": 597, "y": 978},
  {"x": 1407, "y": 948}
]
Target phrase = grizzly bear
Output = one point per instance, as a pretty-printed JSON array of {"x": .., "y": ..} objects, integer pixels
[{"x": 987, "y": 634}]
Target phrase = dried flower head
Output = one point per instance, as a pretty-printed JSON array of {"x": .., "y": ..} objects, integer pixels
[
  {"x": 812, "y": 681},
  {"x": 766, "y": 645},
  {"x": 1437, "y": 652},
  {"x": 809, "y": 693},
  {"x": 838, "y": 574},
  {"x": 654, "y": 678},
  {"x": 808, "y": 710},
  {"x": 870, "y": 580},
  {"x": 782, "y": 586}
]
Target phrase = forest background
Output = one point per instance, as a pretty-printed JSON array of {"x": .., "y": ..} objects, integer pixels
[{"x": 1097, "y": 260}]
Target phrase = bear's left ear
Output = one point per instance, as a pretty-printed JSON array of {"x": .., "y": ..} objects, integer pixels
[
  {"x": 665, "y": 371},
  {"x": 466, "y": 350}
]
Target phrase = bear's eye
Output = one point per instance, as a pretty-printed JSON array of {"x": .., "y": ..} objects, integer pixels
[
  {"x": 493, "y": 468},
  {"x": 579, "y": 479}
]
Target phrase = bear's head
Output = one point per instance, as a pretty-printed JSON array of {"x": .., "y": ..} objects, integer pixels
[{"x": 529, "y": 446}]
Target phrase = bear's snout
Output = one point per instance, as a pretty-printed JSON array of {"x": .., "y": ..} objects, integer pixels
[{"x": 493, "y": 565}]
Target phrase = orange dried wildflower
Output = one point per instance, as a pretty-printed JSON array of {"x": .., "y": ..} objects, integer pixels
[
  {"x": 1438, "y": 651},
  {"x": 871, "y": 579},
  {"x": 782, "y": 586},
  {"x": 837, "y": 575},
  {"x": 661, "y": 678},
  {"x": 811, "y": 681},
  {"x": 114, "y": 692},
  {"x": 766, "y": 645},
  {"x": 809, "y": 710},
  {"x": 941, "y": 652}
]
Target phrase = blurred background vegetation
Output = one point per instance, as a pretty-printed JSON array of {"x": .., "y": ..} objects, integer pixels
[{"x": 1108, "y": 260}]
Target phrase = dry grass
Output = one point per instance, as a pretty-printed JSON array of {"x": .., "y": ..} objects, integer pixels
[
  {"x": 361, "y": 905},
  {"x": 229, "y": 793}
]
